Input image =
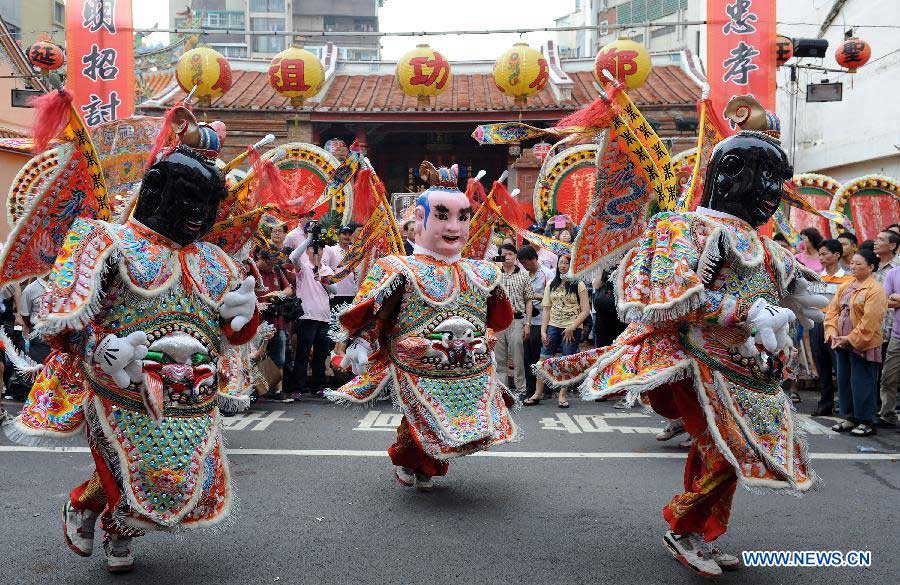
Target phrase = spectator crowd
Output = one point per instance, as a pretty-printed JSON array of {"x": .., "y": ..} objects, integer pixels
[{"x": 851, "y": 361}]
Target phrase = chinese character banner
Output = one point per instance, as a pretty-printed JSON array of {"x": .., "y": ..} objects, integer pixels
[
  {"x": 100, "y": 55},
  {"x": 740, "y": 51}
]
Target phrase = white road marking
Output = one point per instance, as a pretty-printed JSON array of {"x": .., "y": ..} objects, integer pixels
[
  {"x": 595, "y": 423},
  {"x": 499, "y": 454},
  {"x": 259, "y": 420},
  {"x": 375, "y": 420}
]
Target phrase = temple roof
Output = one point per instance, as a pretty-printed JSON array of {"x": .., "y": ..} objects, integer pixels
[{"x": 370, "y": 91}]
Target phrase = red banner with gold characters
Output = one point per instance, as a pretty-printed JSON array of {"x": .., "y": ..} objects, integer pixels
[
  {"x": 100, "y": 56},
  {"x": 740, "y": 51}
]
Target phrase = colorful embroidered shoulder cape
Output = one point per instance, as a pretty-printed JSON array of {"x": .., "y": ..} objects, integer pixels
[
  {"x": 685, "y": 291},
  {"x": 170, "y": 470},
  {"x": 435, "y": 351},
  {"x": 155, "y": 279}
]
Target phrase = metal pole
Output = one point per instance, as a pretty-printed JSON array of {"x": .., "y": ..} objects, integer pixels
[{"x": 792, "y": 112}]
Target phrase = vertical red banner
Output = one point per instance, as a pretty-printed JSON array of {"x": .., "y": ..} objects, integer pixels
[
  {"x": 740, "y": 51},
  {"x": 100, "y": 57}
]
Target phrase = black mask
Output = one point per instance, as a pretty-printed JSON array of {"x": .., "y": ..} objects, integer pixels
[
  {"x": 745, "y": 178},
  {"x": 180, "y": 196}
]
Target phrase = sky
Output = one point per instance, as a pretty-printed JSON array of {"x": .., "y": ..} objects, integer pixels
[{"x": 431, "y": 15}]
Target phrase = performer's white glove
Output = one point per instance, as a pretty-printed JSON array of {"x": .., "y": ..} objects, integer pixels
[
  {"x": 806, "y": 306},
  {"x": 356, "y": 357},
  {"x": 239, "y": 305},
  {"x": 769, "y": 325},
  {"x": 120, "y": 357}
]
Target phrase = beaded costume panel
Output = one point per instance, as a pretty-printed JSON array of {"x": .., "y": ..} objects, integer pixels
[
  {"x": 686, "y": 290},
  {"x": 436, "y": 355},
  {"x": 172, "y": 471}
]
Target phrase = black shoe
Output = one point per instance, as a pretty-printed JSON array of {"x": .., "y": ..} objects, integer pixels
[{"x": 885, "y": 424}]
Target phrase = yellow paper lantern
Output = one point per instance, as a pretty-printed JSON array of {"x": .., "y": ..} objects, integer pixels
[
  {"x": 297, "y": 74},
  {"x": 626, "y": 60},
  {"x": 206, "y": 69},
  {"x": 521, "y": 72},
  {"x": 423, "y": 73}
]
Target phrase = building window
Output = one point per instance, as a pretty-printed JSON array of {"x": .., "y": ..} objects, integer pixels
[
  {"x": 59, "y": 13},
  {"x": 265, "y": 43},
  {"x": 357, "y": 54},
  {"x": 269, "y": 45},
  {"x": 637, "y": 11},
  {"x": 364, "y": 25},
  {"x": 223, "y": 19},
  {"x": 662, "y": 31},
  {"x": 231, "y": 51},
  {"x": 329, "y": 24},
  {"x": 266, "y": 5}
]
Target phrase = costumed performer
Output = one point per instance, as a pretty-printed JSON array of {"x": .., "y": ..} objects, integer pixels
[
  {"x": 422, "y": 327},
  {"x": 709, "y": 301},
  {"x": 138, "y": 315}
]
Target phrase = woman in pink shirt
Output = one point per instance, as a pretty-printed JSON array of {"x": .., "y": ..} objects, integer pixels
[
  {"x": 312, "y": 332},
  {"x": 810, "y": 240}
]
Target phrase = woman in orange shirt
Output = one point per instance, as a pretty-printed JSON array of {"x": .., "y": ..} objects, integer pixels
[{"x": 853, "y": 328}]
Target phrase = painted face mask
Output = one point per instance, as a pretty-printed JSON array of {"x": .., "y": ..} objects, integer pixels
[
  {"x": 181, "y": 191},
  {"x": 443, "y": 212},
  {"x": 746, "y": 173},
  {"x": 179, "y": 196},
  {"x": 746, "y": 178}
]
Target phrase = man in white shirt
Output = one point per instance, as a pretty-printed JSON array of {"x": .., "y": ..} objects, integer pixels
[
  {"x": 540, "y": 277},
  {"x": 30, "y": 303},
  {"x": 547, "y": 258},
  {"x": 344, "y": 290},
  {"x": 29, "y": 307}
]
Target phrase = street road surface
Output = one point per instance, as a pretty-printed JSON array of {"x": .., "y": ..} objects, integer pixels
[{"x": 577, "y": 501}]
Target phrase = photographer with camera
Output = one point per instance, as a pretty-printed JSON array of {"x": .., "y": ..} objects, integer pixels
[
  {"x": 275, "y": 297},
  {"x": 345, "y": 289},
  {"x": 312, "y": 328}
]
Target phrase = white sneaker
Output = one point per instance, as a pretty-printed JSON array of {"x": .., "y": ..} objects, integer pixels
[
  {"x": 622, "y": 404},
  {"x": 424, "y": 483},
  {"x": 78, "y": 528},
  {"x": 691, "y": 551},
  {"x": 726, "y": 561},
  {"x": 671, "y": 430},
  {"x": 404, "y": 476},
  {"x": 119, "y": 553}
]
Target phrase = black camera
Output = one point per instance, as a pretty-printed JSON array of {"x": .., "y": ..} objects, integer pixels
[
  {"x": 289, "y": 307},
  {"x": 314, "y": 229}
]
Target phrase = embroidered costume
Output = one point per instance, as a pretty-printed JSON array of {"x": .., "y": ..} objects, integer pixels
[
  {"x": 138, "y": 315},
  {"x": 425, "y": 325},
  {"x": 709, "y": 302}
]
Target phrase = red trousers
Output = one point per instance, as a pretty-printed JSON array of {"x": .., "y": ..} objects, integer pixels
[
  {"x": 709, "y": 480},
  {"x": 99, "y": 494},
  {"x": 406, "y": 452}
]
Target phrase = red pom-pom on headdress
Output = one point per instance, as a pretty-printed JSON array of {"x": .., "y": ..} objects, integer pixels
[
  {"x": 51, "y": 116},
  {"x": 599, "y": 114},
  {"x": 166, "y": 136}
]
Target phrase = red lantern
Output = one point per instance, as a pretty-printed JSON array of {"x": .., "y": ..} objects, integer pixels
[
  {"x": 853, "y": 53},
  {"x": 784, "y": 49},
  {"x": 540, "y": 151},
  {"x": 45, "y": 55}
]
